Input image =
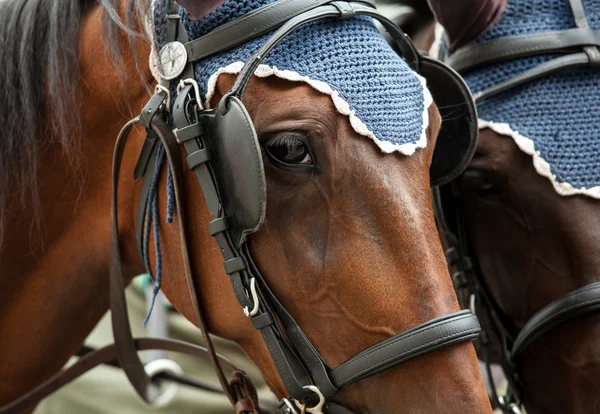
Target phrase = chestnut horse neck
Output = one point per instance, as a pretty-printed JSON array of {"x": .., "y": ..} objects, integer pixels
[{"x": 55, "y": 193}]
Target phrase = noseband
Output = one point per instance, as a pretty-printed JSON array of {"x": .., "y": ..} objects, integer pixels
[{"x": 579, "y": 47}]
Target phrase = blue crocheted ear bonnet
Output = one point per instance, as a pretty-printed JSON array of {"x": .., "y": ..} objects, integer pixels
[
  {"x": 556, "y": 119},
  {"x": 348, "y": 60}
]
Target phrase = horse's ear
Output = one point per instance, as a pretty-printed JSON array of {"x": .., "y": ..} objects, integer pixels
[
  {"x": 457, "y": 139},
  {"x": 238, "y": 166}
]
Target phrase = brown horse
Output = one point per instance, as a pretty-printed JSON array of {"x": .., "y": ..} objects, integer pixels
[
  {"x": 327, "y": 247},
  {"x": 529, "y": 263},
  {"x": 532, "y": 246}
]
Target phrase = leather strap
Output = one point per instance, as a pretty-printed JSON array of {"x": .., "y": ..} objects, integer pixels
[
  {"x": 579, "y": 13},
  {"x": 245, "y": 393},
  {"x": 290, "y": 368},
  {"x": 577, "y": 303},
  {"x": 250, "y": 26},
  {"x": 203, "y": 172},
  {"x": 450, "y": 218},
  {"x": 172, "y": 20},
  {"x": 437, "y": 333},
  {"x": 582, "y": 46},
  {"x": 145, "y": 165},
  {"x": 174, "y": 159},
  {"x": 125, "y": 345},
  {"x": 409, "y": 53},
  {"x": 92, "y": 360},
  {"x": 575, "y": 60},
  {"x": 145, "y": 192},
  {"x": 161, "y": 375},
  {"x": 581, "y": 21},
  {"x": 479, "y": 54}
]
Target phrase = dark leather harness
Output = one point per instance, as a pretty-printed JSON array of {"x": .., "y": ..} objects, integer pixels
[
  {"x": 223, "y": 151},
  {"x": 580, "y": 47}
]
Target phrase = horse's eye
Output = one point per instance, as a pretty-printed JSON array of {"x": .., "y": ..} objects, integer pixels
[
  {"x": 484, "y": 183},
  {"x": 289, "y": 148}
]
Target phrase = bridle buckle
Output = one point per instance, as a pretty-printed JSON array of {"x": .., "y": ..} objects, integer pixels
[
  {"x": 192, "y": 82},
  {"x": 317, "y": 409},
  {"x": 255, "y": 300},
  {"x": 511, "y": 408}
]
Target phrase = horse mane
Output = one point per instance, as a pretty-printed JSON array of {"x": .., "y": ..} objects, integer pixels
[{"x": 39, "y": 48}]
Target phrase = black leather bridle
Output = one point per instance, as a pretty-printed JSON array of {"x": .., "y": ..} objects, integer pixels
[
  {"x": 474, "y": 293},
  {"x": 579, "y": 47},
  {"x": 210, "y": 139},
  {"x": 204, "y": 135}
]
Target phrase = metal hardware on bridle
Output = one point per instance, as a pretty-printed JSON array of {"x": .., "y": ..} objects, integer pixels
[
  {"x": 157, "y": 366},
  {"x": 290, "y": 407},
  {"x": 509, "y": 407},
  {"x": 167, "y": 104},
  {"x": 255, "y": 300},
  {"x": 316, "y": 409},
  {"x": 579, "y": 47},
  {"x": 191, "y": 81}
]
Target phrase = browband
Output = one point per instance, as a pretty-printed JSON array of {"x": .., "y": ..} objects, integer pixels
[
  {"x": 580, "y": 45},
  {"x": 475, "y": 55},
  {"x": 335, "y": 9},
  {"x": 251, "y": 26}
]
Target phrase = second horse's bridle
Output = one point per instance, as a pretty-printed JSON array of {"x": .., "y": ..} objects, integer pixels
[{"x": 579, "y": 47}]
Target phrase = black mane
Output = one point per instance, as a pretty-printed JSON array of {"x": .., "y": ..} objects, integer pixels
[{"x": 39, "y": 53}]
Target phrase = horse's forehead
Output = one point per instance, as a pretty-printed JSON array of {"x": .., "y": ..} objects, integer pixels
[
  {"x": 349, "y": 61},
  {"x": 551, "y": 118}
]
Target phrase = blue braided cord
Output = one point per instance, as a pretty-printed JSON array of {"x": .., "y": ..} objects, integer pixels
[
  {"x": 170, "y": 196},
  {"x": 158, "y": 267},
  {"x": 152, "y": 216},
  {"x": 147, "y": 223}
]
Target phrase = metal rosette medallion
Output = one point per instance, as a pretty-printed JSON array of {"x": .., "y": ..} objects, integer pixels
[{"x": 173, "y": 58}]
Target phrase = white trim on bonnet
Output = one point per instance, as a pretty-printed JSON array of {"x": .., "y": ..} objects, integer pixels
[
  {"x": 541, "y": 166},
  {"x": 525, "y": 144},
  {"x": 340, "y": 104}
]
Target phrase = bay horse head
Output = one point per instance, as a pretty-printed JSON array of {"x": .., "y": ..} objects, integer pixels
[
  {"x": 347, "y": 244},
  {"x": 527, "y": 208}
]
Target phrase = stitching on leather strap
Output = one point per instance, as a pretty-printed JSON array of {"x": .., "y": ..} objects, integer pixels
[
  {"x": 439, "y": 339},
  {"x": 355, "y": 361}
]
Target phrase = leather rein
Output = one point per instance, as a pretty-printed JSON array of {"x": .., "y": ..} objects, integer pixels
[
  {"x": 580, "y": 47},
  {"x": 310, "y": 382}
]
